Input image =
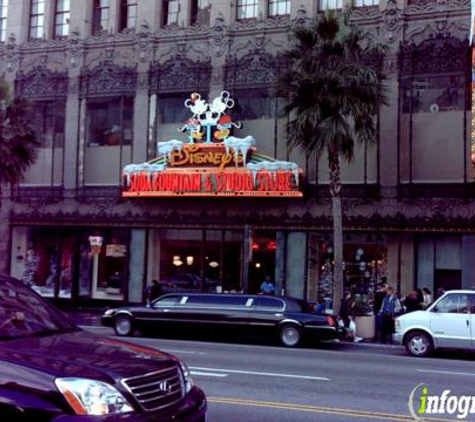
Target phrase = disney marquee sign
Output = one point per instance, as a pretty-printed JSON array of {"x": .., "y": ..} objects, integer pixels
[{"x": 212, "y": 162}]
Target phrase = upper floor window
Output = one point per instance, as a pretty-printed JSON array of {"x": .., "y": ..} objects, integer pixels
[
  {"x": 200, "y": 12},
  {"x": 37, "y": 19},
  {"x": 128, "y": 16},
  {"x": 171, "y": 109},
  {"x": 49, "y": 117},
  {"x": 279, "y": 7},
  {"x": 247, "y": 9},
  {"x": 109, "y": 121},
  {"x": 100, "y": 18},
  {"x": 170, "y": 10},
  {"x": 331, "y": 4},
  {"x": 360, "y": 3},
  {"x": 3, "y": 19},
  {"x": 61, "y": 19}
]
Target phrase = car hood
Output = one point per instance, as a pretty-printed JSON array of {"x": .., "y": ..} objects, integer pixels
[{"x": 85, "y": 355}]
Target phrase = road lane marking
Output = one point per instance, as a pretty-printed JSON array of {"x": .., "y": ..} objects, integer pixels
[
  {"x": 185, "y": 352},
  {"x": 317, "y": 409},
  {"x": 208, "y": 374},
  {"x": 433, "y": 371},
  {"x": 267, "y": 374}
]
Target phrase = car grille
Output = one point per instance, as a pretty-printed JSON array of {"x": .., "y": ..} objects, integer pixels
[{"x": 157, "y": 390}]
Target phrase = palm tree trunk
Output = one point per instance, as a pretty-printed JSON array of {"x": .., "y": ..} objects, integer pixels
[{"x": 335, "y": 189}]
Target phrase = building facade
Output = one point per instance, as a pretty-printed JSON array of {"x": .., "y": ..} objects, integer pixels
[{"x": 109, "y": 78}]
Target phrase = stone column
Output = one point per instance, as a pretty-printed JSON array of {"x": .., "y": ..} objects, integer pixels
[
  {"x": 313, "y": 273},
  {"x": 81, "y": 17},
  {"x": 468, "y": 261},
  {"x": 296, "y": 262},
  {"x": 149, "y": 11},
  {"x": 71, "y": 135},
  {"x": 141, "y": 112},
  {"x": 280, "y": 262},
  {"x": 19, "y": 20},
  {"x": 136, "y": 265},
  {"x": 5, "y": 233}
]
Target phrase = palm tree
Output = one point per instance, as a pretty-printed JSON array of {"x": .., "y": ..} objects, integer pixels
[
  {"x": 18, "y": 139},
  {"x": 334, "y": 87}
]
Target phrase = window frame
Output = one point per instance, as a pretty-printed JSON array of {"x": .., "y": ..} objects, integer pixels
[
  {"x": 123, "y": 141},
  {"x": 3, "y": 19},
  {"x": 166, "y": 13},
  {"x": 323, "y": 5},
  {"x": 58, "y": 14},
  {"x": 244, "y": 6},
  {"x": 277, "y": 4},
  {"x": 195, "y": 13},
  {"x": 125, "y": 14},
  {"x": 98, "y": 17},
  {"x": 39, "y": 16}
]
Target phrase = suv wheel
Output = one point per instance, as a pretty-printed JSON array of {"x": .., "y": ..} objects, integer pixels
[
  {"x": 290, "y": 335},
  {"x": 419, "y": 344},
  {"x": 123, "y": 325}
]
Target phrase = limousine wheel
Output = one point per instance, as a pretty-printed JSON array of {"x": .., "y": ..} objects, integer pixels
[
  {"x": 290, "y": 335},
  {"x": 123, "y": 325},
  {"x": 419, "y": 344}
]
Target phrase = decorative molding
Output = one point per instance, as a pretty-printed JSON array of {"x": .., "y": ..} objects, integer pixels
[
  {"x": 220, "y": 41},
  {"x": 108, "y": 78},
  {"x": 179, "y": 73},
  {"x": 430, "y": 6},
  {"x": 439, "y": 54},
  {"x": 277, "y": 22},
  {"x": 257, "y": 68},
  {"x": 144, "y": 47},
  {"x": 392, "y": 22},
  {"x": 41, "y": 83},
  {"x": 433, "y": 27}
]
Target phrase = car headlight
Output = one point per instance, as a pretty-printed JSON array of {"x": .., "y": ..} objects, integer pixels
[
  {"x": 89, "y": 397},
  {"x": 189, "y": 381},
  {"x": 397, "y": 325},
  {"x": 109, "y": 312}
]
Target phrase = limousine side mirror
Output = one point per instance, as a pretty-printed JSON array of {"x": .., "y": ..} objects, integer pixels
[{"x": 435, "y": 309}]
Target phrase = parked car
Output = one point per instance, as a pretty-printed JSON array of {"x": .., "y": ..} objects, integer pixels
[
  {"x": 285, "y": 317},
  {"x": 447, "y": 323},
  {"x": 51, "y": 370}
]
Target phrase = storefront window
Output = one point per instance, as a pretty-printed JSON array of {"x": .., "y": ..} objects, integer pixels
[
  {"x": 197, "y": 260},
  {"x": 431, "y": 94},
  {"x": 365, "y": 266},
  {"x": 43, "y": 259},
  {"x": 103, "y": 264},
  {"x": 262, "y": 265}
]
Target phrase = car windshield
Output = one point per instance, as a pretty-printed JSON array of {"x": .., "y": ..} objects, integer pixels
[{"x": 24, "y": 314}]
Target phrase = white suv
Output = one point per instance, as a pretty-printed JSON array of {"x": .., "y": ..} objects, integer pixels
[{"x": 448, "y": 322}]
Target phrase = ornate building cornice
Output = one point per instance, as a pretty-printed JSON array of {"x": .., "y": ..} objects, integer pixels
[
  {"x": 440, "y": 54},
  {"x": 41, "y": 83},
  {"x": 179, "y": 73},
  {"x": 107, "y": 78}
]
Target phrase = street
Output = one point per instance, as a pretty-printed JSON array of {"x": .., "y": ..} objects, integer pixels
[{"x": 332, "y": 382}]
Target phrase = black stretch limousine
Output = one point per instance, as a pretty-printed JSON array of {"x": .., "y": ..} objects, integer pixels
[{"x": 288, "y": 318}]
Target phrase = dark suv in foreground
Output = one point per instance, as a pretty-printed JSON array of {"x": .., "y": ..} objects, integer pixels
[{"x": 51, "y": 370}]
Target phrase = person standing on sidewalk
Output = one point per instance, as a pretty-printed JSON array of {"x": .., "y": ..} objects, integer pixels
[{"x": 390, "y": 309}]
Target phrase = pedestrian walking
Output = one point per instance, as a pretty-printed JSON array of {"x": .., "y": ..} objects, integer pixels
[
  {"x": 391, "y": 307},
  {"x": 152, "y": 292}
]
